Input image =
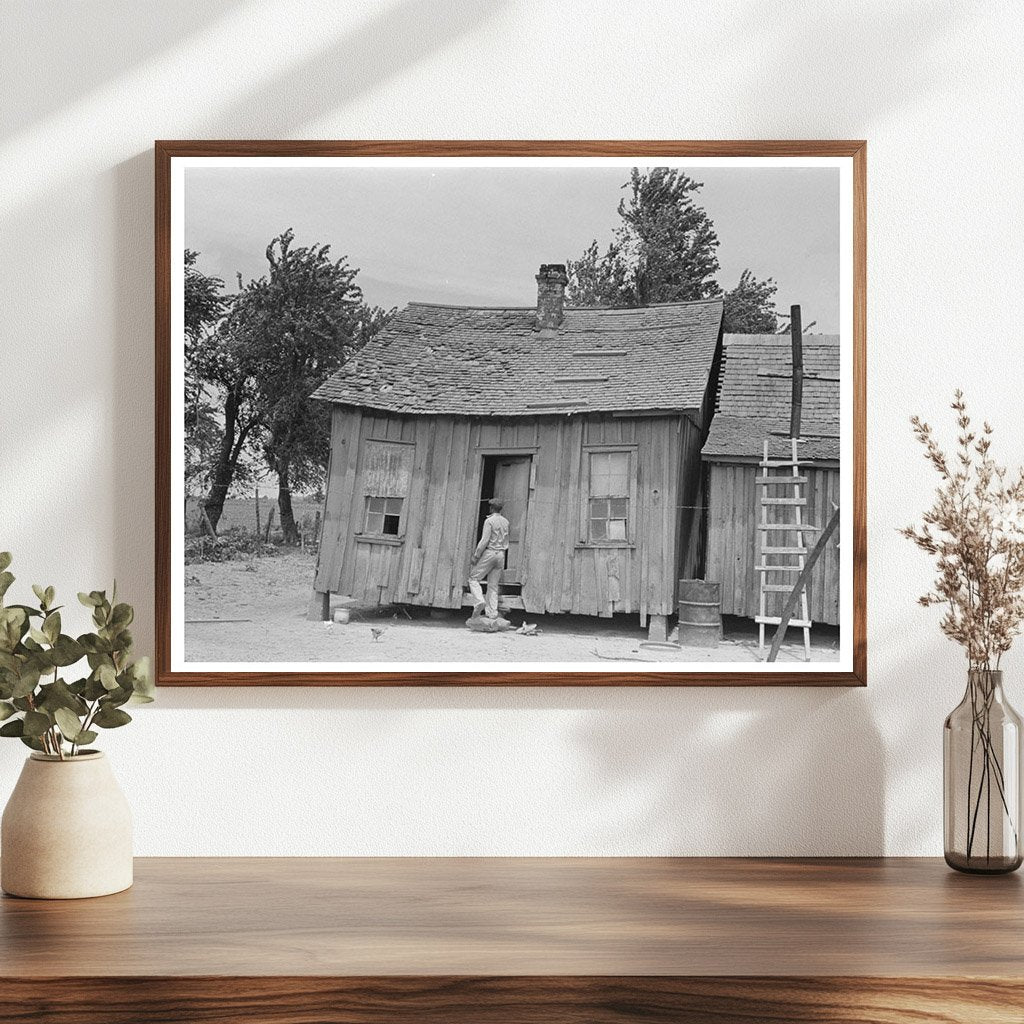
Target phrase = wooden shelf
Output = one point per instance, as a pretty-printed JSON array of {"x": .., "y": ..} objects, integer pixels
[{"x": 573, "y": 941}]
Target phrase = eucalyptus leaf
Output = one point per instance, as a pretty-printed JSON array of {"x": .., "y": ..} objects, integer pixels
[
  {"x": 36, "y": 723},
  {"x": 107, "y": 676},
  {"x": 66, "y": 651},
  {"x": 59, "y": 695},
  {"x": 122, "y": 616},
  {"x": 51, "y": 626},
  {"x": 115, "y": 698},
  {"x": 40, "y": 593},
  {"x": 86, "y": 736},
  {"x": 6, "y": 710},
  {"x": 69, "y": 724},
  {"x": 38, "y": 635},
  {"x": 142, "y": 678},
  {"x": 89, "y": 600},
  {"x": 16, "y": 727},
  {"x": 110, "y": 717},
  {"x": 97, "y": 646},
  {"x": 50, "y": 594},
  {"x": 94, "y": 689},
  {"x": 5, "y": 560},
  {"x": 6, "y": 579},
  {"x": 33, "y": 742},
  {"x": 27, "y": 681}
]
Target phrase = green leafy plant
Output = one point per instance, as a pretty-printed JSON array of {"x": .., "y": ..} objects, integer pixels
[{"x": 37, "y": 704}]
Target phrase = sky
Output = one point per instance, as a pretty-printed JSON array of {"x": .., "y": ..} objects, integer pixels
[{"x": 477, "y": 235}]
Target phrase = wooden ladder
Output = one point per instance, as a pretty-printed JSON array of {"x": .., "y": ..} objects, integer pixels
[{"x": 774, "y": 543}]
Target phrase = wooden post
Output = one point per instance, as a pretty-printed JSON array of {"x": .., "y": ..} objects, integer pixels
[
  {"x": 801, "y": 582},
  {"x": 208, "y": 523},
  {"x": 259, "y": 531},
  {"x": 270, "y": 524},
  {"x": 319, "y": 609},
  {"x": 657, "y": 631},
  {"x": 796, "y": 335}
]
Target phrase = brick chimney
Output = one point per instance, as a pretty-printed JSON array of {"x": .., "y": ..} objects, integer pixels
[{"x": 551, "y": 282}]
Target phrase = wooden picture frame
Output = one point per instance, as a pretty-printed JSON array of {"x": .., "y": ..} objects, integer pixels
[{"x": 851, "y": 671}]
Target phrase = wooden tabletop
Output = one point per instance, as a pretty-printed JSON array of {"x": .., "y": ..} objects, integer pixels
[{"x": 511, "y": 917}]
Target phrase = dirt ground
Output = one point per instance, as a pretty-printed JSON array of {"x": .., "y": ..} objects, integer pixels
[{"x": 255, "y": 611}]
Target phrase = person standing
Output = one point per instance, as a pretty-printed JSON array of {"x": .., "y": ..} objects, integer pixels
[{"x": 489, "y": 559}]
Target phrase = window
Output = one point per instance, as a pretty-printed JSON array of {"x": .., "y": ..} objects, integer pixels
[
  {"x": 383, "y": 516},
  {"x": 609, "y": 497}
]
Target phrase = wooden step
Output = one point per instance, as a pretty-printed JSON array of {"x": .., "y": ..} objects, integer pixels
[
  {"x": 783, "y": 551},
  {"x": 764, "y": 481},
  {"x": 802, "y": 527},
  {"x": 776, "y": 588},
  {"x": 772, "y": 464},
  {"x": 505, "y": 604},
  {"x": 779, "y": 568},
  {"x": 783, "y": 501},
  {"x": 775, "y": 620}
]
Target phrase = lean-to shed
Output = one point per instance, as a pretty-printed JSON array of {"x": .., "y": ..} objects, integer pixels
[
  {"x": 587, "y": 423},
  {"x": 753, "y": 404}
]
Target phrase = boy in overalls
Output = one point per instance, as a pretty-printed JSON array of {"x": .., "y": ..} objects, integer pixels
[{"x": 489, "y": 559}]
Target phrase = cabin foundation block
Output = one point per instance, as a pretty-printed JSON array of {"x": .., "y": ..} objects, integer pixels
[
  {"x": 657, "y": 629},
  {"x": 319, "y": 609}
]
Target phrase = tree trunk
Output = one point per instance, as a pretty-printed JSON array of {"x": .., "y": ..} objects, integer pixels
[
  {"x": 284, "y": 503},
  {"x": 224, "y": 469}
]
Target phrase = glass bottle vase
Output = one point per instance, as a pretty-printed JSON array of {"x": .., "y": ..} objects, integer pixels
[{"x": 981, "y": 772}]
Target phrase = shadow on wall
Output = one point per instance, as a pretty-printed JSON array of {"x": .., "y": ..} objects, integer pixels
[
  {"x": 116, "y": 36},
  {"x": 394, "y": 39},
  {"x": 844, "y": 36},
  {"x": 748, "y": 771},
  {"x": 742, "y": 771}
]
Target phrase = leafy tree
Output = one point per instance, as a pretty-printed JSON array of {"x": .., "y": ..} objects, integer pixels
[
  {"x": 750, "y": 307},
  {"x": 205, "y": 307},
  {"x": 226, "y": 366},
  {"x": 664, "y": 249},
  {"x": 296, "y": 326}
]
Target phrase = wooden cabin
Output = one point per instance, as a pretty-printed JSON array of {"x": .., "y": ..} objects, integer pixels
[
  {"x": 755, "y": 393},
  {"x": 587, "y": 423}
]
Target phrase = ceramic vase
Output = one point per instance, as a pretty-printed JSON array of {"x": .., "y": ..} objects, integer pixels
[{"x": 66, "y": 831}]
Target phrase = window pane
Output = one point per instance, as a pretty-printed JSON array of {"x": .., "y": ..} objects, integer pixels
[
  {"x": 618, "y": 473},
  {"x": 616, "y": 529},
  {"x": 391, "y": 525},
  {"x": 374, "y": 522},
  {"x": 609, "y": 473},
  {"x": 598, "y": 529},
  {"x": 598, "y": 508},
  {"x": 393, "y": 506},
  {"x": 618, "y": 508}
]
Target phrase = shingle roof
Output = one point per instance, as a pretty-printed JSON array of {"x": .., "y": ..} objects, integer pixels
[
  {"x": 469, "y": 361},
  {"x": 755, "y": 391}
]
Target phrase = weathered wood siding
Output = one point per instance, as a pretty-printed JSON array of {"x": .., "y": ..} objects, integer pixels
[
  {"x": 733, "y": 541},
  {"x": 428, "y": 564}
]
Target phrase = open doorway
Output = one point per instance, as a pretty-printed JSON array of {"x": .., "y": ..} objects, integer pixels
[{"x": 508, "y": 477}]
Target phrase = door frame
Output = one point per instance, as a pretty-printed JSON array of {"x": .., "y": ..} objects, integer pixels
[{"x": 492, "y": 451}]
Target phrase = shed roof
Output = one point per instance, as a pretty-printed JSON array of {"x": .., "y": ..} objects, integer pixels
[
  {"x": 755, "y": 391},
  {"x": 472, "y": 361}
]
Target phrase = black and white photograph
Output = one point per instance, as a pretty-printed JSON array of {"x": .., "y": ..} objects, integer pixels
[{"x": 511, "y": 414}]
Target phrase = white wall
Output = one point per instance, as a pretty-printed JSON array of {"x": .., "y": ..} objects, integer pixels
[{"x": 937, "y": 89}]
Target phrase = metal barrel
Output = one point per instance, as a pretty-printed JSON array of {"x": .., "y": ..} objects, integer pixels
[{"x": 700, "y": 613}]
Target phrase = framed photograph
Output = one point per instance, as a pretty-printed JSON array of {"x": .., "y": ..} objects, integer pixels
[{"x": 493, "y": 413}]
